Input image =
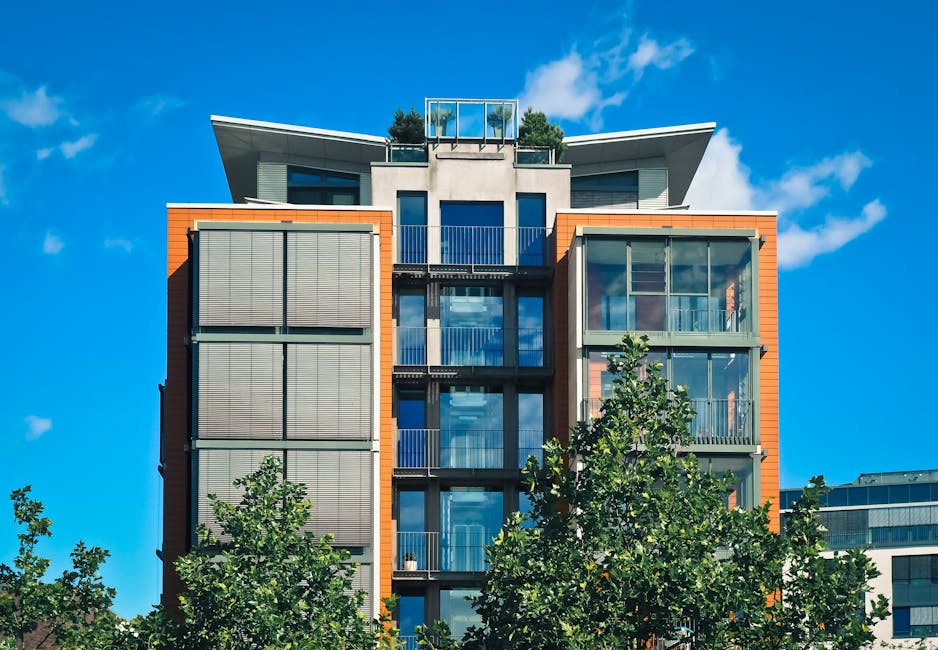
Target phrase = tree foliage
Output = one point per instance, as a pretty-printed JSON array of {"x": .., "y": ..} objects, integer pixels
[
  {"x": 268, "y": 584},
  {"x": 536, "y": 131},
  {"x": 407, "y": 128},
  {"x": 628, "y": 541},
  {"x": 73, "y": 609}
]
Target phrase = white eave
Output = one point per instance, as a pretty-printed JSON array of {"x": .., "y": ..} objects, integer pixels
[
  {"x": 619, "y": 136},
  {"x": 292, "y": 129}
]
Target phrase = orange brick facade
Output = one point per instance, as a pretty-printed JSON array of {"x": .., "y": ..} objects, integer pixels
[
  {"x": 765, "y": 226},
  {"x": 176, "y": 393}
]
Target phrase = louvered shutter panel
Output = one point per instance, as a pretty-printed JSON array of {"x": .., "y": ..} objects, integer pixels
[
  {"x": 240, "y": 390},
  {"x": 329, "y": 392},
  {"x": 361, "y": 581},
  {"x": 339, "y": 483},
  {"x": 217, "y": 471},
  {"x": 240, "y": 278},
  {"x": 329, "y": 279},
  {"x": 653, "y": 189},
  {"x": 272, "y": 181},
  {"x": 364, "y": 189}
]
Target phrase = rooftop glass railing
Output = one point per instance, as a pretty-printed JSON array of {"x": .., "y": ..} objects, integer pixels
[
  {"x": 534, "y": 156},
  {"x": 471, "y": 119},
  {"x": 406, "y": 153}
]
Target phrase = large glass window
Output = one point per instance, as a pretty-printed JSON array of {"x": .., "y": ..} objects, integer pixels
[
  {"x": 410, "y": 614},
  {"x": 532, "y": 231},
  {"x": 456, "y": 610},
  {"x": 411, "y": 328},
  {"x": 530, "y": 331},
  {"x": 674, "y": 284},
  {"x": 412, "y": 227},
  {"x": 530, "y": 426},
  {"x": 413, "y": 448},
  {"x": 471, "y": 427},
  {"x": 413, "y": 542},
  {"x": 619, "y": 189},
  {"x": 472, "y": 326},
  {"x": 915, "y": 595},
  {"x": 470, "y": 517},
  {"x": 309, "y": 186},
  {"x": 472, "y": 233}
]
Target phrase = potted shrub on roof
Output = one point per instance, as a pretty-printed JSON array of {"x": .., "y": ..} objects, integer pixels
[
  {"x": 440, "y": 115},
  {"x": 410, "y": 562},
  {"x": 499, "y": 118},
  {"x": 407, "y": 127}
]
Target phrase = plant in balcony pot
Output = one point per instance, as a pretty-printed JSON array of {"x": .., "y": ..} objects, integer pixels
[
  {"x": 440, "y": 117},
  {"x": 410, "y": 562},
  {"x": 498, "y": 118}
]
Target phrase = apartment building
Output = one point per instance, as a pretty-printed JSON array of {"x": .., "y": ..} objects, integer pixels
[
  {"x": 893, "y": 517},
  {"x": 404, "y": 325}
]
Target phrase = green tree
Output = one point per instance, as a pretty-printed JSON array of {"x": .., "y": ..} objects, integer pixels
[
  {"x": 536, "y": 131},
  {"x": 407, "y": 128},
  {"x": 270, "y": 585},
  {"x": 73, "y": 609},
  {"x": 628, "y": 541}
]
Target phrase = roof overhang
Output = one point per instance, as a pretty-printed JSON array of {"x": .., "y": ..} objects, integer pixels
[
  {"x": 682, "y": 148},
  {"x": 241, "y": 144}
]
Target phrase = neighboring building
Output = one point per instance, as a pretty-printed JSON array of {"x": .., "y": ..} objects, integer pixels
[
  {"x": 893, "y": 517},
  {"x": 404, "y": 325}
]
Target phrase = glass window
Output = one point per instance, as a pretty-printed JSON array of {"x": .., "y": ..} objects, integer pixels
[
  {"x": 530, "y": 427},
  {"x": 412, "y": 441},
  {"x": 919, "y": 492},
  {"x": 647, "y": 277},
  {"x": 730, "y": 285},
  {"x": 411, "y": 329},
  {"x": 456, "y": 610},
  {"x": 308, "y": 186},
  {"x": 532, "y": 232},
  {"x": 411, "y": 529},
  {"x": 619, "y": 189},
  {"x": 607, "y": 285},
  {"x": 471, "y": 427},
  {"x": 877, "y": 494},
  {"x": 470, "y": 517},
  {"x": 901, "y": 622},
  {"x": 472, "y": 233},
  {"x": 410, "y": 614},
  {"x": 530, "y": 331},
  {"x": 441, "y": 120},
  {"x": 472, "y": 326},
  {"x": 412, "y": 227}
]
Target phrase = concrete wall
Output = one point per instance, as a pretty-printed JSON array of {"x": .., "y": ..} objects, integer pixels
[{"x": 883, "y": 585}]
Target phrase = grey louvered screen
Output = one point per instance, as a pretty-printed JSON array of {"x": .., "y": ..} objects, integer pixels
[
  {"x": 364, "y": 189},
  {"x": 217, "y": 470},
  {"x": 361, "y": 581},
  {"x": 329, "y": 391},
  {"x": 329, "y": 279},
  {"x": 240, "y": 278},
  {"x": 653, "y": 189},
  {"x": 272, "y": 181},
  {"x": 339, "y": 483},
  {"x": 240, "y": 390}
]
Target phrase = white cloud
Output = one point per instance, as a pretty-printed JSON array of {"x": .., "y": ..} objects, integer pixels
[
  {"x": 723, "y": 182},
  {"x": 52, "y": 244},
  {"x": 651, "y": 53},
  {"x": 580, "y": 85},
  {"x": 124, "y": 244},
  {"x": 797, "y": 247},
  {"x": 34, "y": 109},
  {"x": 155, "y": 106},
  {"x": 72, "y": 149},
  {"x": 36, "y": 426},
  {"x": 42, "y": 154}
]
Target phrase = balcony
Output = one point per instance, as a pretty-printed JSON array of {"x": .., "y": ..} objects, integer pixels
[
  {"x": 430, "y": 449},
  {"x": 468, "y": 346},
  {"x": 534, "y": 155},
  {"x": 488, "y": 120},
  {"x": 459, "y": 549},
  {"x": 406, "y": 153},
  {"x": 716, "y": 421},
  {"x": 471, "y": 245}
]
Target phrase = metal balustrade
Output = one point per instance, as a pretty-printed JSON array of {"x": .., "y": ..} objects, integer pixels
[
  {"x": 683, "y": 319},
  {"x": 461, "y": 548},
  {"x": 716, "y": 421},
  {"x": 420, "y": 548},
  {"x": 530, "y": 443},
  {"x": 471, "y": 245},
  {"x": 467, "y": 346},
  {"x": 450, "y": 448}
]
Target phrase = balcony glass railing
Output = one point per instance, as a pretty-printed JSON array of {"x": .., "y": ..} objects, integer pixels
[
  {"x": 716, "y": 421},
  {"x": 534, "y": 156},
  {"x": 471, "y": 245},
  {"x": 406, "y": 153},
  {"x": 467, "y": 346},
  {"x": 471, "y": 119}
]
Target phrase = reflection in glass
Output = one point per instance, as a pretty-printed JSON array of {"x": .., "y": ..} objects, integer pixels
[
  {"x": 470, "y": 120},
  {"x": 442, "y": 119},
  {"x": 456, "y": 610},
  {"x": 530, "y": 331},
  {"x": 471, "y": 324},
  {"x": 472, "y": 233},
  {"x": 470, "y": 518},
  {"x": 412, "y": 540},
  {"x": 730, "y": 285},
  {"x": 411, "y": 329},
  {"x": 412, "y": 447},
  {"x": 530, "y": 427},
  {"x": 607, "y": 285},
  {"x": 412, "y": 230},
  {"x": 532, "y": 232},
  {"x": 410, "y": 614},
  {"x": 471, "y": 427},
  {"x": 499, "y": 118}
]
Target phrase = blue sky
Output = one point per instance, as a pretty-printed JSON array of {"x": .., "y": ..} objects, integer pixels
[{"x": 823, "y": 112}]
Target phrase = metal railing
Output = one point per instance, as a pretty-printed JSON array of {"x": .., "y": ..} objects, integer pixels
[
  {"x": 408, "y": 642},
  {"x": 682, "y": 319},
  {"x": 716, "y": 421},
  {"x": 417, "y": 551},
  {"x": 471, "y": 245},
  {"x": 450, "y": 449},
  {"x": 534, "y": 155},
  {"x": 467, "y": 346},
  {"x": 530, "y": 443}
]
